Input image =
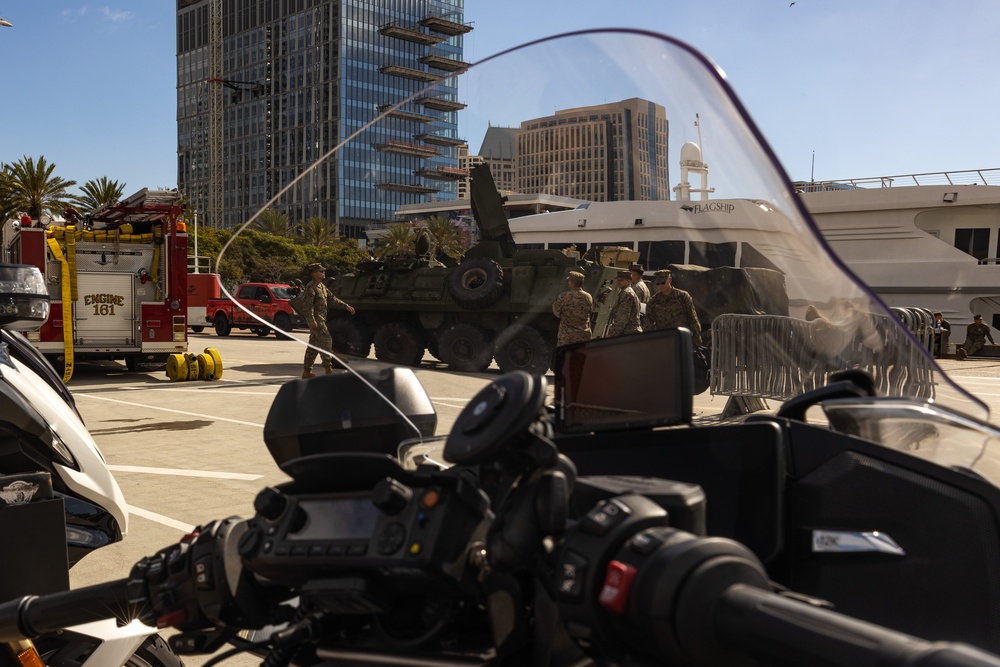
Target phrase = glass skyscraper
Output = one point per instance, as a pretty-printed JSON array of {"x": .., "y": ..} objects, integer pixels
[{"x": 296, "y": 78}]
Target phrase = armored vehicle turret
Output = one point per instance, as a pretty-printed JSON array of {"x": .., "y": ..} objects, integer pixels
[{"x": 496, "y": 304}]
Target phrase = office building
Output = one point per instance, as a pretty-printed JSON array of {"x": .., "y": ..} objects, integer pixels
[
  {"x": 298, "y": 77},
  {"x": 499, "y": 151},
  {"x": 608, "y": 152}
]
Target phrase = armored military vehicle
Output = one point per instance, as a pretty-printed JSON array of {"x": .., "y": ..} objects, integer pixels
[{"x": 496, "y": 304}]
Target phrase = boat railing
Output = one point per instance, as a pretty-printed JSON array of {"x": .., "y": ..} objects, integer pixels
[{"x": 966, "y": 177}]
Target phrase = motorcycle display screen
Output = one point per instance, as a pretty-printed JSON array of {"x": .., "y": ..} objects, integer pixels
[
  {"x": 627, "y": 382},
  {"x": 344, "y": 518}
]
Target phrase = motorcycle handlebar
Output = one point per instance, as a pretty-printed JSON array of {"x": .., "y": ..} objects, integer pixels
[
  {"x": 31, "y": 615},
  {"x": 778, "y": 630}
]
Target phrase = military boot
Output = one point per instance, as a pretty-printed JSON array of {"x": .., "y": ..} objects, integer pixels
[{"x": 307, "y": 373}]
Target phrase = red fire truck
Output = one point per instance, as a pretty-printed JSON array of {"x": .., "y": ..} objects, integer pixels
[{"x": 117, "y": 278}]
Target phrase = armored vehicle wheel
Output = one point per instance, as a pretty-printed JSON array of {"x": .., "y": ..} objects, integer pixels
[
  {"x": 350, "y": 337},
  {"x": 399, "y": 343},
  {"x": 466, "y": 347},
  {"x": 433, "y": 347},
  {"x": 522, "y": 348},
  {"x": 261, "y": 331},
  {"x": 282, "y": 324},
  {"x": 222, "y": 327},
  {"x": 477, "y": 283}
]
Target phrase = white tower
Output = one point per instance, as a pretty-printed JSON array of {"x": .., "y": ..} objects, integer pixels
[{"x": 691, "y": 162}]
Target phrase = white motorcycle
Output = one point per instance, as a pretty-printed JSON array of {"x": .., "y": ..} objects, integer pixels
[{"x": 41, "y": 430}]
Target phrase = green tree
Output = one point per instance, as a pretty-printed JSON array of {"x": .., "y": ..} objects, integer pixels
[
  {"x": 258, "y": 256},
  {"x": 32, "y": 189},
  {"x": 318, "y": 232},
  {"x": 7, "y": 209},
  {"x": 274, "y": 222},
  {"x": 97, "y": 193},
  {"x": 448, "y": 238},
  {"x": 398, "y": 239}
]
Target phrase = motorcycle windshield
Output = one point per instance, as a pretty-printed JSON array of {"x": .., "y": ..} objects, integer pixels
[{"x": 618, "y": 147}]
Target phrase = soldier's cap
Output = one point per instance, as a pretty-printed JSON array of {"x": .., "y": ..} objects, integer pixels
[
  {"x": 624, "y": 275},
  {"x": 638, "y": 268},
  {"x": 977, "y": 317},
  {"x": 315, "y": 266},
  {"x": 576, "y": 275},
  {"x": 662, "y": 273}
]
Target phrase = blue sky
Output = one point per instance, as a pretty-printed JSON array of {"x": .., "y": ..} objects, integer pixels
[{"x": 874, "y": 87}]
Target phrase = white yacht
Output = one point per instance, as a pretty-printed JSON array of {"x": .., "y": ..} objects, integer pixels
[
  {"x": 929, "y": 240},
  {"x": 921, "y": 240}
]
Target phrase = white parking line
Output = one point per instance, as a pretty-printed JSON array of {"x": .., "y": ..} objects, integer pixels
[
  {"x": 179, "y": 412},
  {"x": 180, "y": 472},
  {"x": 159, "y": 518}
]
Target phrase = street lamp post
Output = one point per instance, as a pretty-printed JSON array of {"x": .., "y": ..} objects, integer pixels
[{"x": 197, "y": 264}]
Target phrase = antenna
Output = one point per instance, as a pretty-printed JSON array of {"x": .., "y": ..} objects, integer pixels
[
  {"x": 701, "y": 147},
  {"x": 812, "y": 173}
]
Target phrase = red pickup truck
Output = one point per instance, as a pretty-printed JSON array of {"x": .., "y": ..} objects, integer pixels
[{"x": 269, "y": 301}]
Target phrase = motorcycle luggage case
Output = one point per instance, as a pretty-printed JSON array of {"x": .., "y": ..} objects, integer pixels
[{"x": 339, "y": 413}]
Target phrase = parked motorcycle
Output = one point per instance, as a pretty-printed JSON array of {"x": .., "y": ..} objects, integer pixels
[
  {"x": 859, "y": 515},
  {"x": 42, "y": 431}
]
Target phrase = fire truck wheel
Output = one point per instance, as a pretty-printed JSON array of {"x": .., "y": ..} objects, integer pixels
[
  {"x": 197, "y": 329},
  {"x": 222, "y": 326},
  {"x": 282, "y": 326},
  {"x": 58, "y": 364}
]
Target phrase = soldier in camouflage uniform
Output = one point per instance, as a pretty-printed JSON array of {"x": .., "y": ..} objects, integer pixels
[
  {"x": 671, "y": 307},
  {"x": 573, "y": 308},
  {"x": 639, "y": 285},
  {"x": 318, "y": 297},
  {"x": 975, "y": 338},
  {"x": 625, "y": 313}
]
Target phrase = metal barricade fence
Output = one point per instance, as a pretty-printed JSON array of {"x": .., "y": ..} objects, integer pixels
[{"x": 776, "y": 357}]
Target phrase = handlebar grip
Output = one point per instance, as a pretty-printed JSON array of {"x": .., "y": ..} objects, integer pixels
[
  {"x": 31, "y": 616},
  {"x": 781, "y": 631}
]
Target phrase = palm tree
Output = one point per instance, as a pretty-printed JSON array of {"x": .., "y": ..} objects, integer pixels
[
  {"x": 399, "y": 239},
  {"x": 32, "y": 188},
  {"x": 448, "y": 238},
  {"x": 97, "y": 193},
  {"x": 318, "y": 232},
  {"x": 275, "y": 222},
  {"x": 6, "y": 201}
]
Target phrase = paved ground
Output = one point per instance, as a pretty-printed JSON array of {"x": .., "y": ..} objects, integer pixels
[{"x": 189, "y": 452}]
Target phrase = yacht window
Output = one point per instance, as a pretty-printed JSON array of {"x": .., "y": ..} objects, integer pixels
[
  {"x": 658, "y": 254},
  {"x": 976, "y": 241}
]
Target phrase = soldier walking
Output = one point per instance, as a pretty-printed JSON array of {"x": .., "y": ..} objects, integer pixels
[
  {"x": 625, "y": 313},
  {"x": 317, "y": 298},
  {"x": 671, "y": 307},
  {"x": 573, "y": 308}
]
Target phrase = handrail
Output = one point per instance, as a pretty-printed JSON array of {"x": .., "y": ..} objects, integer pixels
[{"x": 965, "y": 177}]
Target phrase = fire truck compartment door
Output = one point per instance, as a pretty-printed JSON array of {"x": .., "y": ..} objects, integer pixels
[{"x": 105, "y": 310}]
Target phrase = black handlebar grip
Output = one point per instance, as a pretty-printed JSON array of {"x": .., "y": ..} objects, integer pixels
[
  {"x": 30, "y": 616},
  {"x": 778, "y": 630}
]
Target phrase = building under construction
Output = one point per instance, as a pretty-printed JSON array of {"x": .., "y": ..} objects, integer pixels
[{"x": 265, "y": 87}]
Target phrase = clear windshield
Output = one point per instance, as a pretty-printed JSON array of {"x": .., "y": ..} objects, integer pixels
[{"x": 628, "y": 145}]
